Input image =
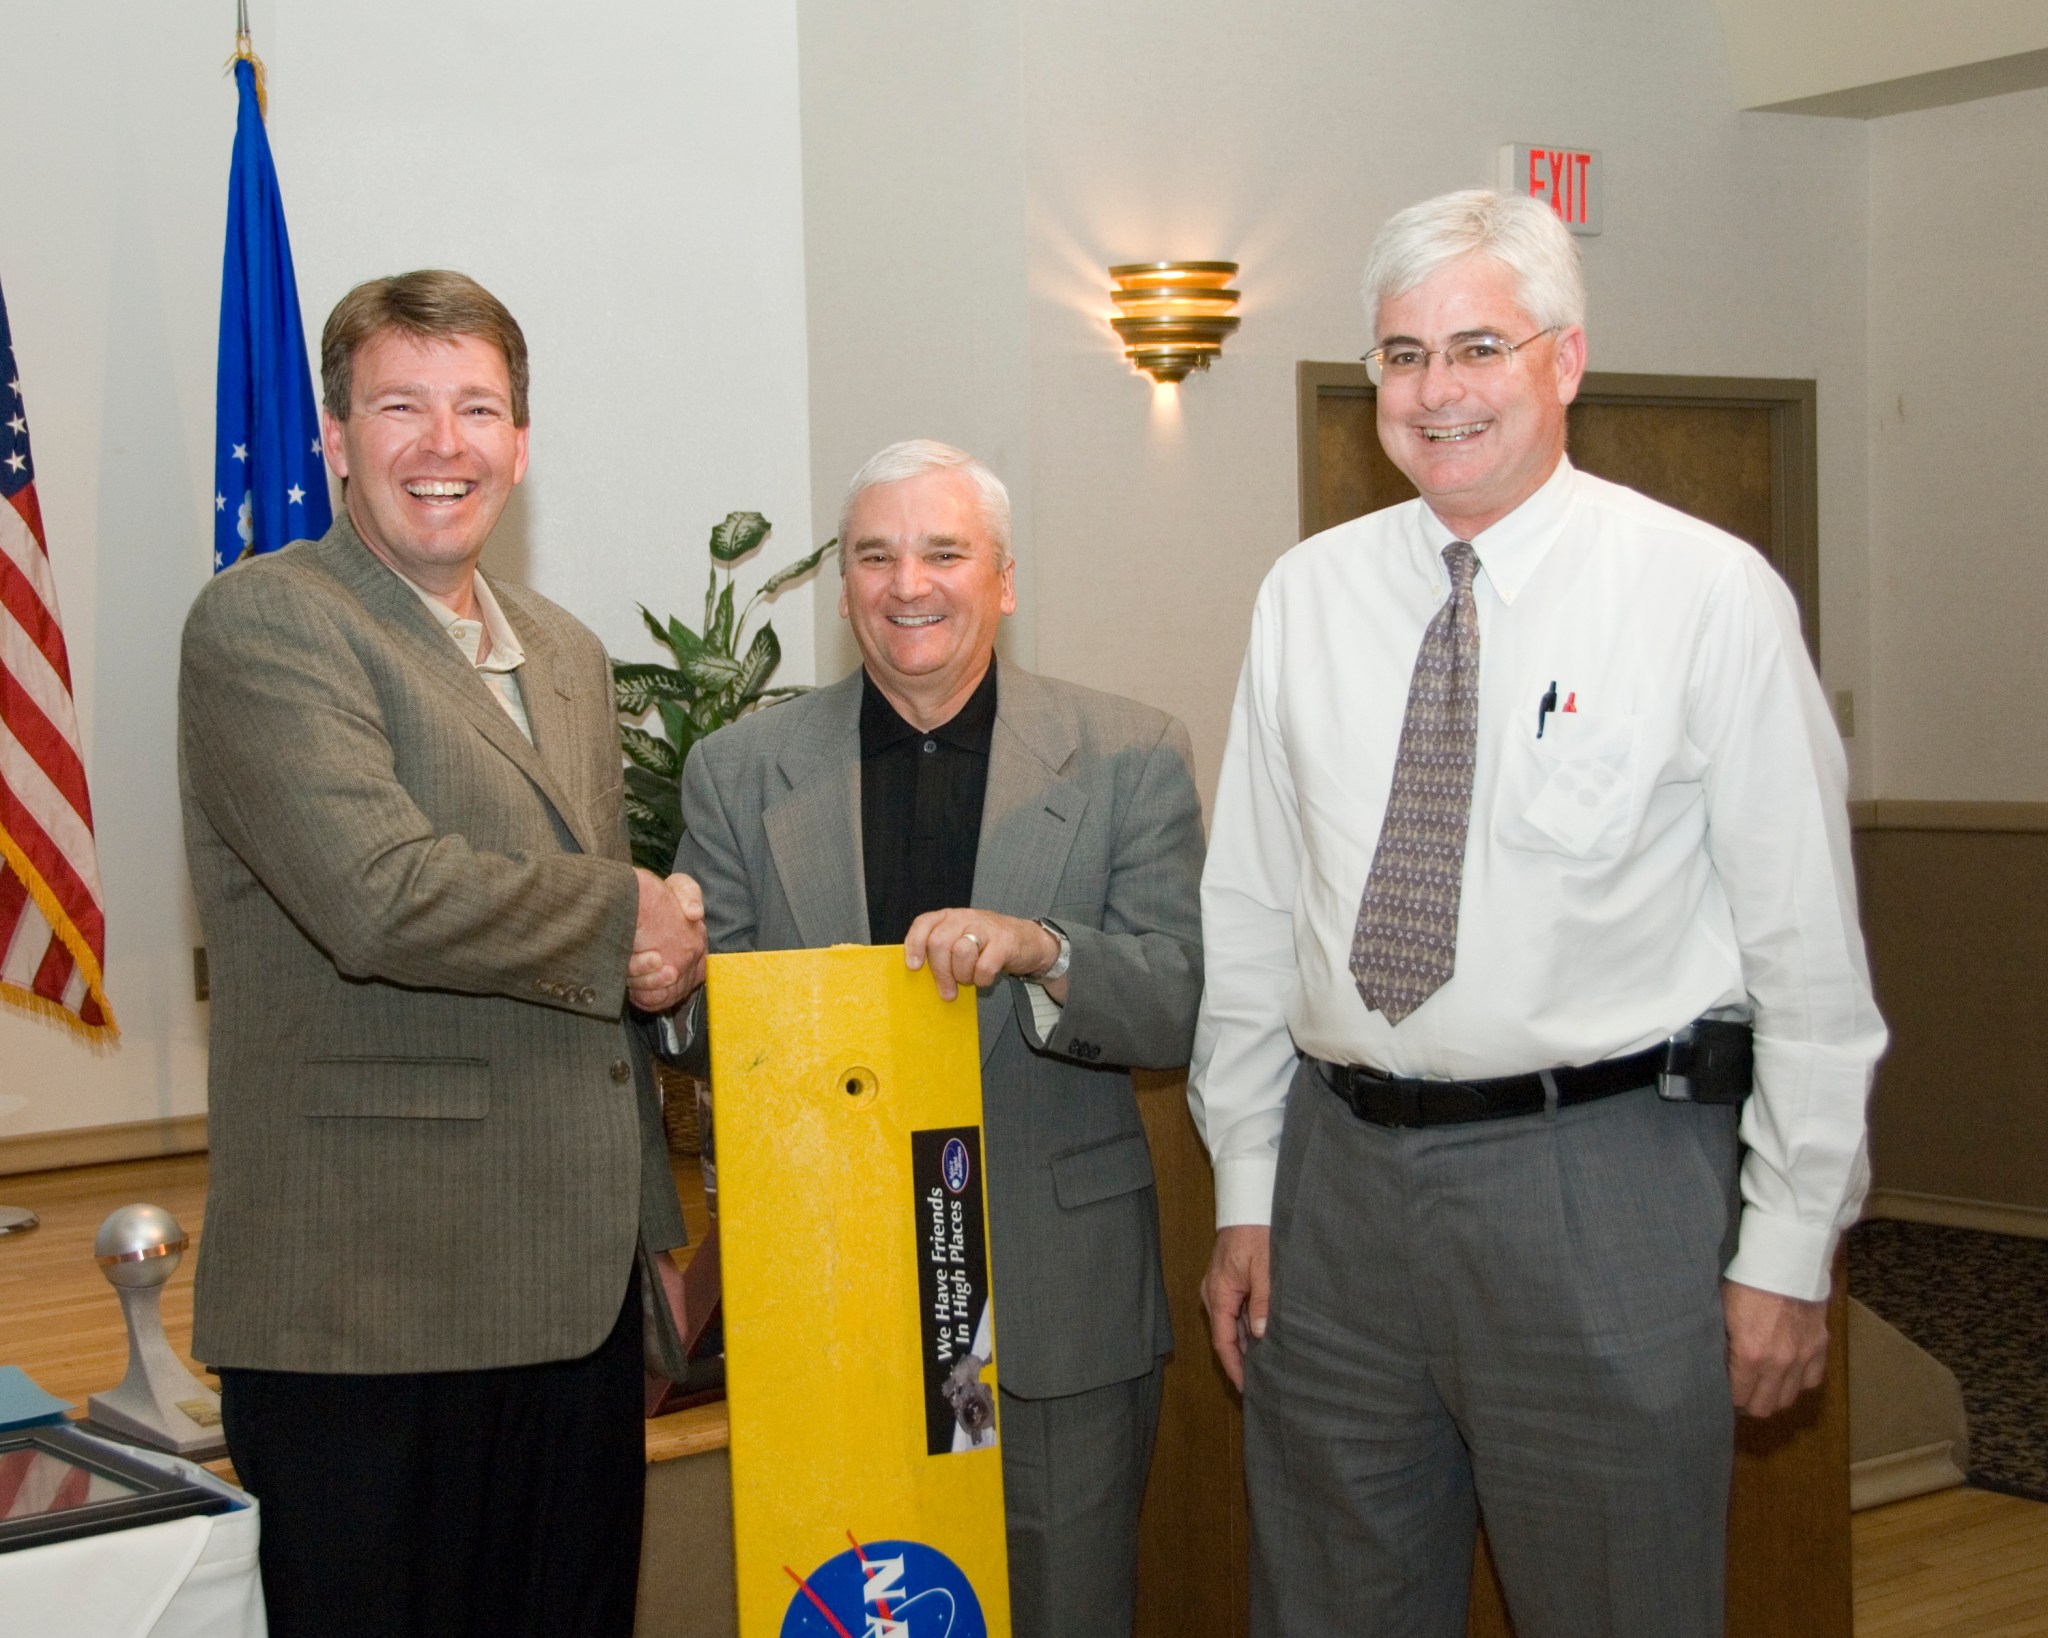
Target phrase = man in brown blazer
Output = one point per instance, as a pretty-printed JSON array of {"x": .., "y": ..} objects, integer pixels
[{"x": 435, "y": 1146}]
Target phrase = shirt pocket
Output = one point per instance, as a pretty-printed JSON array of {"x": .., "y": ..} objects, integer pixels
[
  {"x": 1571, "y": 792},
  {"x": 396, "y": 1088}
]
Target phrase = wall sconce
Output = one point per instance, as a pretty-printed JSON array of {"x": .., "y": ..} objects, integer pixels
[{"x": 1173, "y": 316}]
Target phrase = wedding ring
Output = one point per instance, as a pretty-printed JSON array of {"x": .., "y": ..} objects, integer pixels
[{"x": 973, "y": 939}]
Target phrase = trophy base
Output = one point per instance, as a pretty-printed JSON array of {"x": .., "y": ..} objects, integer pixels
[
  {"x": 17, "y": 1219},
  {"x": 199, "y": 1444}
]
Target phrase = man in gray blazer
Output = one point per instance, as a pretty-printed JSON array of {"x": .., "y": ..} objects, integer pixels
[
  {"x": 1041, "y": 843},
  {"x": 435, "y": 1146}
]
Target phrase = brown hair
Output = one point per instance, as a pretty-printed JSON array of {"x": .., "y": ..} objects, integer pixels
[{"x": 432, "y": 304}]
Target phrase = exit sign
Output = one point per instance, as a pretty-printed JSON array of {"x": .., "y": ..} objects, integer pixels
[{"x": 1565, "y": 179}]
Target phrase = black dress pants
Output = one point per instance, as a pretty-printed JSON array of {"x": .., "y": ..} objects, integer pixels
[{"x": 438, "y": 1504}]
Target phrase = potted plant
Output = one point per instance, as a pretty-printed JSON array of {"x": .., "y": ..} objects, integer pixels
[{"x": 714, "y": 680}]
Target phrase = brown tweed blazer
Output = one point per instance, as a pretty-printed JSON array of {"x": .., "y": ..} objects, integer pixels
[{"x": 434, "y": 1136}]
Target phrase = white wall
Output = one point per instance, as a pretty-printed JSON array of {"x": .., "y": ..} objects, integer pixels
[
  {"x": 916, "y": 254},
  {"x": 1281, "y": 137},
  {"x": 1959, "y": 445},
  {"x": 1798, "y": 50},
  {"x": 630, "y": 184}
]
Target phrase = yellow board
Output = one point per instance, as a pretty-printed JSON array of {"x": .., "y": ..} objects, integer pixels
[{"x": 867, "y": 1488}]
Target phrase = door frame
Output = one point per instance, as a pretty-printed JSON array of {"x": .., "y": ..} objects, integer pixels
[{"x": 1794, "y": 547}]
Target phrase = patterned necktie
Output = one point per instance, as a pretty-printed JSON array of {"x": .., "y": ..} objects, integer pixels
[{"x": 1407, "y": 937}]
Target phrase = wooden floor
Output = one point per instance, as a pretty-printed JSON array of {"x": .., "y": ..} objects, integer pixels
[
  {"x": 1959, "y": 1564},
  {"x": 60, "y": 1320}
]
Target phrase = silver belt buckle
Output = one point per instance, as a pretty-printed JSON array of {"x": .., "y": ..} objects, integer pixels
[{"x": 1672, "y": 1086}]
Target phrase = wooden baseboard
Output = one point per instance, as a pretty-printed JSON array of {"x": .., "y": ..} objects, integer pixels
[
  {"x": 1905, "y": 1206},
  {"x": 1902, "y": 1473},
  {"x": 1888, "y": 813},
  {"x": 96, "y": 1145}
]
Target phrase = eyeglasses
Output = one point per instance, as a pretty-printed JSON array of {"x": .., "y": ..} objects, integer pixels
[{"x": 1405, "y": 361}]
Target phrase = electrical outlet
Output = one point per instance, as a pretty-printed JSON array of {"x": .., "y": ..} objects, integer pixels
[
  {"x": 201, "y": 989},
  {"x": 1845, "y": 712}
]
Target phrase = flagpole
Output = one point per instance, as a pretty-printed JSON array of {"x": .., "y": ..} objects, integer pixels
[{"x": 245, "y": 51}]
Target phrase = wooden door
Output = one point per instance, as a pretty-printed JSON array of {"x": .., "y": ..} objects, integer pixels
[{"x": 1735, "y": 452}]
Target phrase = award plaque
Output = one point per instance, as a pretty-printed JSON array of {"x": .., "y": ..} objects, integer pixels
[
  {"x": 867, "y": 1485},
  {"x": 56, "y": 1484}
]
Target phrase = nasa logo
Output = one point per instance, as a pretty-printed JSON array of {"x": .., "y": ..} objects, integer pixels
[
  {"x": 953, "y": 1164},
  {"x": 886, "y": 1589}
]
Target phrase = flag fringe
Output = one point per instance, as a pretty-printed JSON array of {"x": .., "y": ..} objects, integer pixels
[
  {"x": 98, "y": 1035},
  {"x": 73, "y": 941},
  {"x": 245, "y": 51}
]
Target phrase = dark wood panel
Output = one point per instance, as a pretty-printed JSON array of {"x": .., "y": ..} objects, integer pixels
[
  {"x": 1711, "y": 461},
  {"x": 1194, "y": 1535},
  {"x": 1956, "y": 922},
  {"x": 1789, "y": 1573}
]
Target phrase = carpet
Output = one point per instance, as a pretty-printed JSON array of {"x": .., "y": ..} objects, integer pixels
[{"x": 1978, "y": 1303}]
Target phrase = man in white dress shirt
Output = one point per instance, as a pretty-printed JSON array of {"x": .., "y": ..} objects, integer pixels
[{"x": 1525, "y": 779}]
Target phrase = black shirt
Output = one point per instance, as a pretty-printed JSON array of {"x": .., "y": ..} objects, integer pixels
[{"x": 920, "y": 807}]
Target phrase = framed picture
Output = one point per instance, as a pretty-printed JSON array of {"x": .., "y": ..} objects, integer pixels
[{"x": 56, "y": 1484}]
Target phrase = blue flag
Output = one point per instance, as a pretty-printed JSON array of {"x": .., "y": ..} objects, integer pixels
[{"x": 269, "y": 481}]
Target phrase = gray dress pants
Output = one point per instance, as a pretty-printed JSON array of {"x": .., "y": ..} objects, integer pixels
[
  {"x": 1073, "y": 1479},
  {"x": 1517, "y": 1318}
]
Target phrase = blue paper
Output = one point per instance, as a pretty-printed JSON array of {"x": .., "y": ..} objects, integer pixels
[{"x": 24, "y": 1405}]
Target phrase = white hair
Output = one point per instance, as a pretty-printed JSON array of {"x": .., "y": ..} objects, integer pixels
[
  {"x": 913, "y": 458},
  {"x": 1522, "y": 234}
]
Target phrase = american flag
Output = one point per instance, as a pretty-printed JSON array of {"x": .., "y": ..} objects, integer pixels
[{"x": 53, "y": 931}]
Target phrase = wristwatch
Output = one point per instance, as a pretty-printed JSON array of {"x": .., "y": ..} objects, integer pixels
[{"x": 1060, "y": 962}]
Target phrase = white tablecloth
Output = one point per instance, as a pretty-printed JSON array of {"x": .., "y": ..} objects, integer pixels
[{"x": 186, "y": 1578}]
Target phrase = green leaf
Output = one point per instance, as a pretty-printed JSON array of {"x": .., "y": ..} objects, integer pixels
[
  {"x": 718, "y": 633},
  {"x": 636, "y": 686},
  {"x": 650, "y": 751},
  {"x": 681, "y": 726},
  {"x": 763, "y": 657},
  {"x": 738, "y": 535},
  {"x": 654, "y": 820},
  {"x": 682, "y": 642},
  {"x": 803, "y": 566},
  {"x": 713, "y": 672}
]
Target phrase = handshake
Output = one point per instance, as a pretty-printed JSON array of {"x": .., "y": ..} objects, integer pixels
[{"x": 668, "y": 942}]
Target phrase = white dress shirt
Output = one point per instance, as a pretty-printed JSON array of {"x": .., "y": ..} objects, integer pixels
[{"x": 1674, "y": 842}]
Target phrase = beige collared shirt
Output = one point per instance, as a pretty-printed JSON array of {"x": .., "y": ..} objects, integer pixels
[{"x": 502, "y": 656}]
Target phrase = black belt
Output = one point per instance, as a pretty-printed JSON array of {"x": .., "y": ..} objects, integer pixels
[{"x": 1388, "y": 1100}]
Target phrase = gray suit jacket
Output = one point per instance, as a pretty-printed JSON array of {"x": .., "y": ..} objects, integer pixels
[
  {"x": 434, "y": 1137},
  {"x": 1090, "y": 819}
]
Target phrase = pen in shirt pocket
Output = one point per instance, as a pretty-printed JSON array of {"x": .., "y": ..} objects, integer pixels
[{"x": 1545, "y": 706}]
